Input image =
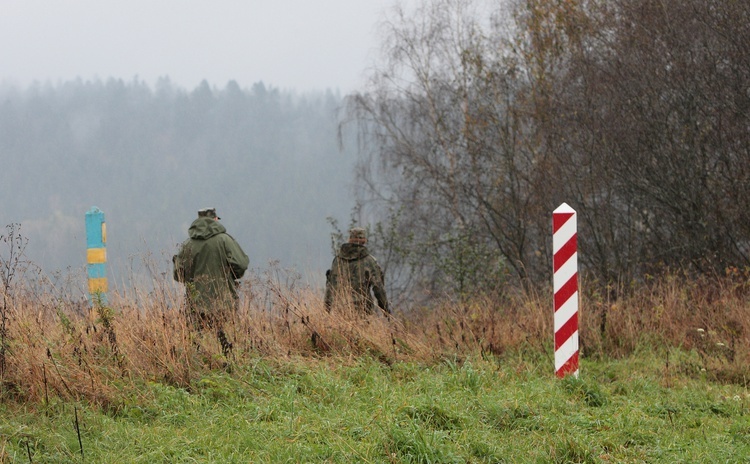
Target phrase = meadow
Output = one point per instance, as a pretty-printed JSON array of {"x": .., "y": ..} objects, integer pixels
[{"x": 663, "y": 378}]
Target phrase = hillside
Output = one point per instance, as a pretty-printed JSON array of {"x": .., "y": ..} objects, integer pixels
[{"x": 269, "y": 161}]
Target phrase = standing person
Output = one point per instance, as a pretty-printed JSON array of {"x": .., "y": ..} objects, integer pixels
[
  {"x": 354, "y": 269},
  {"x": 209, "y": 263}
]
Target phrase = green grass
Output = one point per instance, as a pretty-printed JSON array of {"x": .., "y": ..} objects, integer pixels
[{"x": 343, "y": 410}]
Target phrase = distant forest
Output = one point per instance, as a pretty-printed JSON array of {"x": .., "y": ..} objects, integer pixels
[
  {"x": 475, "y": 125},
  {"x": 270, "y": 161}
]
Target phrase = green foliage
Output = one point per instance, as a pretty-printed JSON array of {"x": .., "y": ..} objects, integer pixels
[
  {"x": 468, "y": 267},
  {"x": 106, "y": 313},
  {"x": 414, "y": 444},
  {"x": 571, "y": 451},
  {"x": 65, "y": 322},
  {"x": 466, "y": 377},
  {"x": 452, "y": 262},
  {"x": 510, "y": 418},
  {"x": 433, "y": 417},
  {"x": 588, "y": 391},
  {"x": 336, "y": 411}
]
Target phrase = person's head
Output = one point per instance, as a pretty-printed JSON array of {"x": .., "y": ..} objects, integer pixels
[
  {"x": 357, "y": 235},
  {"x": 209, "y": 213}
]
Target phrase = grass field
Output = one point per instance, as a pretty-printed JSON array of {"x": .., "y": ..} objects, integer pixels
[
  {"x": 663, "y": 379},
  {"x": 360, "y": 410}
]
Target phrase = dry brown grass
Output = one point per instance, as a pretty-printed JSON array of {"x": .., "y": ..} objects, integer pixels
[
  {"x": 709, "y": 316},
  {"x": 69, "y": 350}
]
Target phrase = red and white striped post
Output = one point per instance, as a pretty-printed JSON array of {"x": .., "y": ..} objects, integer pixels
[{"x": 565, "y": 263}]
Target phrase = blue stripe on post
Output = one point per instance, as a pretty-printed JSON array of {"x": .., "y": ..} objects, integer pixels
[
  {"x": 96, "y": 239},
  {"x": 97, "y": 271},
  {"x": 94, "y": 231}
]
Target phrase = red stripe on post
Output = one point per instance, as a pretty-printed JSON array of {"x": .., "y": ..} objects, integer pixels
[
  {"x": 566, "y": 331},
  {"x": 567, "y": 291},
  {"x": 559, "y": 220},
  {"x": 565, "y": 253},
  {"x": 570, "y": 366}
]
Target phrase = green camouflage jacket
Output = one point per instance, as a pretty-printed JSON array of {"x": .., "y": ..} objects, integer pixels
[
  {"x": 355, "y": 269},
  {"x": 209, "y": 263}
]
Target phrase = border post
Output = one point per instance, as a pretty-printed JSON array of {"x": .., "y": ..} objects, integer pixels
[
  {"x": 96, "y": 255},
  {"x": 565, "y": 264}
]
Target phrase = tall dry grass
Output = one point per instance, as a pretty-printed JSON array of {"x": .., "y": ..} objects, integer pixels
[
  {"x": 709, "y": 316},
  {"x": 71, "y": 350}
]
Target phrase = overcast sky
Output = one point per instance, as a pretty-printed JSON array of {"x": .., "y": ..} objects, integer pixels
[{"x": 290, "y": 44}]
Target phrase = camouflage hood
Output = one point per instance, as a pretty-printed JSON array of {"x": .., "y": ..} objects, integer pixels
[
  {"x": 211, "y": 262},
  {"x": 204, "y": 228},
  {"x": 352, "y": 251},
  {"x": 355, "y": 270}
]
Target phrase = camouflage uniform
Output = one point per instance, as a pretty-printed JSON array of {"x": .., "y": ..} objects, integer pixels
[
  {"x": 209, "y": 263},
  {"x": 354, "y": 269}
]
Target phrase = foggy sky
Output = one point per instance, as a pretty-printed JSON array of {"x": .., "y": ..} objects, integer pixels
[{"x": 291, "y": 44}]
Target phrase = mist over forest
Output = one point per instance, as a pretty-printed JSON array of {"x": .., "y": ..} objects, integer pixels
[
  {"x": 474, "y": 126},
  {"x": 270, "y": 161}
]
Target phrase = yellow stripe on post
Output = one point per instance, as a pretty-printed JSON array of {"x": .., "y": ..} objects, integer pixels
[
  {"x": 96, "y": 255},
  {"x": 98, "y": 285}
]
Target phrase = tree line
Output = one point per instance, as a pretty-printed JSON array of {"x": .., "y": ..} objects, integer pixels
[
  {"x": 150, "y": 156},
  {"x": 484, "y": 117}
]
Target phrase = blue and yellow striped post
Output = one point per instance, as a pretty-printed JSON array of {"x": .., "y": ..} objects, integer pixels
[{"x": 96, "y": 255}]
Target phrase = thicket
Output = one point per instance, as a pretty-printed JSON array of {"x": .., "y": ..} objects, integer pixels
[{"x": 485, "y": 118}]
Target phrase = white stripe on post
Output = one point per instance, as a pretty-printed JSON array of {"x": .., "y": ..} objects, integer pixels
[{"x": 565, "y": 264}]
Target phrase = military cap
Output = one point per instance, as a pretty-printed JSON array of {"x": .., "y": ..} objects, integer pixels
[
  {"x": 208, "y": 212},
  {"x": 357, "y": 234}
]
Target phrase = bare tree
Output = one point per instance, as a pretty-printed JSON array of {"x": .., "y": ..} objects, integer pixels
[
  {"x": 655, "y": 105},
  {"x": 452, "y": 155},
  {"x": 635, "y": 112}
]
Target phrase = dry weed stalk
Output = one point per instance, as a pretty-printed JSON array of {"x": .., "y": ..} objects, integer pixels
[{"x": 63, "y": 350}]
